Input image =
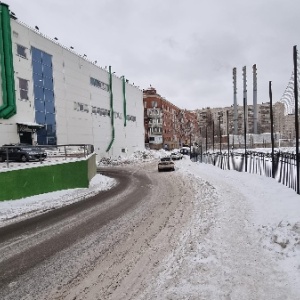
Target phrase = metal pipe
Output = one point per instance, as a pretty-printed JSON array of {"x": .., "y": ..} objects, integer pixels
[
  {"x": 227, "y": 118},
  {"x": 272, "y": 136},
  {"x": 296, "y": 115}
]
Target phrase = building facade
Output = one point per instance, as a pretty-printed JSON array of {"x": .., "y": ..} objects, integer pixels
[
  {"x": 51, "y": 95},
  {"x": 166, "y": 125},
  {"x": 208, "y": 116}
]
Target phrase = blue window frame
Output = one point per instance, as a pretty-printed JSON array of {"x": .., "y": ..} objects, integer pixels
[
  {"x": 38, "y": 92},
  {"x": 47, "y": 71},
  {"x": 50, "y": 119},
  {"x": 36, "y": 55},
  {"x": 49, "y": 107},
  {"x": 39, "y": 105},
  {"x": 49, "y": 96},
  {"x": 37, "y": 67},
  {"x": 38, "y": 79},
  {"x": 44, "y": 96},
  {"x": 40, "y": 117},
  {"x": 48, "y": 83},
  {"x": 47, "y": 59}
]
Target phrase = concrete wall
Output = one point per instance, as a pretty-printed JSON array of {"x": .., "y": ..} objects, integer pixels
[{"x": 16, "y": 184}]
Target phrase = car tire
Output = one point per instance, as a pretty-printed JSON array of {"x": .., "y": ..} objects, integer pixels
[{"x": 23, "y": 158}]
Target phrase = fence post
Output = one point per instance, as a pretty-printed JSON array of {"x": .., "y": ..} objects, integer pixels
[
  {"x": 228, "y": 166},
  {"x": 213, "y": 135},
  {"x": 206, "y": 138},
  {"x": 272, "y": 136}
]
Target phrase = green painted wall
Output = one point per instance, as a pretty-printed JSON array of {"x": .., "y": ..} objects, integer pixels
[
  {"x": 16, "y": 184},
  {"x": 8, "y": 107}
]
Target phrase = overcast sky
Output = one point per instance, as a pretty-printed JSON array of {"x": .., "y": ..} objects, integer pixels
[{"x": 185, "y": 49}]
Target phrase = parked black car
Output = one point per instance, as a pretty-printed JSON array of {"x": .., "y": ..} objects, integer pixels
[{"x": 21, "y": 152}]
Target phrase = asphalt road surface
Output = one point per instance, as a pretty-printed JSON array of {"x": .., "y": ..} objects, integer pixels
[{"x": 87, "y": 250}]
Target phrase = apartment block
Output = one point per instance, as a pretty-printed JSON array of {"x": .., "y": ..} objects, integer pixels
[{"x": 166, "y": 125}]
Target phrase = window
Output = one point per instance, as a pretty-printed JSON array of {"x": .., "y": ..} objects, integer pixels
[
  {"x": 37, "y": 67},
  {"x": 47, "y": 71},
  {"x": 44, "y": 100},
  {"x": 48, "y": 83},
  {"x": 154, "y": 104},
  {"x": 21, "y": 51},
  {"x": 47, "y": 59},
  {"x": 23, "y": 86},
  {"x": 36, "y": 55},
  {"x": 39, "y": 105}
]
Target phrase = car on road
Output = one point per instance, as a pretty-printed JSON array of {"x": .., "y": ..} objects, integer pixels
[
  {"x": 185, "y": 151},
  {"x": 21, "y": 152},
  {"x": 166, "y": 164},
  {"x": 176, "y": 155}
]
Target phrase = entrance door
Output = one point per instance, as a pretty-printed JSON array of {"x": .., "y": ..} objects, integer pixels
[{"x": 25, "y": 138}]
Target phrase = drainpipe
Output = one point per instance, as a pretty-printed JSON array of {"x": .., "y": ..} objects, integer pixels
[
  {"x": 124, "y": 100},
  {"x": 112, "y": 117},
  {"x": 8, "y": 108}
]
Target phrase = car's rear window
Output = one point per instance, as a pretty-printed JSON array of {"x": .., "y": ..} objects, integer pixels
[{"x": 166, "y": 159}]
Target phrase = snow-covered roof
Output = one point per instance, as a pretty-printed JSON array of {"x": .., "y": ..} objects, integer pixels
[{"x": 30, "y": 124}]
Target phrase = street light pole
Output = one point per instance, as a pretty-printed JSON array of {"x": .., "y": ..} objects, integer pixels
[
  {"x": 227, "y": 118},
  {"x": 213, "y": 135},
  {"x": 245, "y": 113},
  {"x": 295, "y": 59},
  {"x": 220, "y": 134},
  {"x": 272, "y": 134}
]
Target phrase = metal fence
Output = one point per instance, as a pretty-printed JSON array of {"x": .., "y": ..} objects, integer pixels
[
  {"x": 282, "y": 168},
  {"x": 10, "y": 154}
]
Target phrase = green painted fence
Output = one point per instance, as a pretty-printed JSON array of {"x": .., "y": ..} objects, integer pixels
[{"x": 16, "y": 184}]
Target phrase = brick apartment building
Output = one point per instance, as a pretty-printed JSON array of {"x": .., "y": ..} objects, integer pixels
[{"x": 166, "y": 125}]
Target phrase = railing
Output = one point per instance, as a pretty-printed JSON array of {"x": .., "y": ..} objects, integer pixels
[
  {"x": 67, "y": 151},
  {"x": 284, "y": 164}
]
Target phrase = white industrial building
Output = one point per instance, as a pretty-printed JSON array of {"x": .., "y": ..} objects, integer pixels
[{"x": 51, "y": 95}]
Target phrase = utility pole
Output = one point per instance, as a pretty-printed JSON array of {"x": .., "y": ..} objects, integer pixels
[
  {"x": 235, "y": 114},
  {"x": 245, "y": 113},
  {"x": 272, "y": 134},
  {"x": 213, "y": 135},
  {"x": 220, "y": 134},
  {"x": 227, "y": 118},
  {"x": 254, "y": 99}
]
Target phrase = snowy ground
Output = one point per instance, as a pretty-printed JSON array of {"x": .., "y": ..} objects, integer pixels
[{"x": 242, "y": 240}]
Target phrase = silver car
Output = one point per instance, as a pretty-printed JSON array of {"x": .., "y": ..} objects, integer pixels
[{"x": 166, "y": 164}]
